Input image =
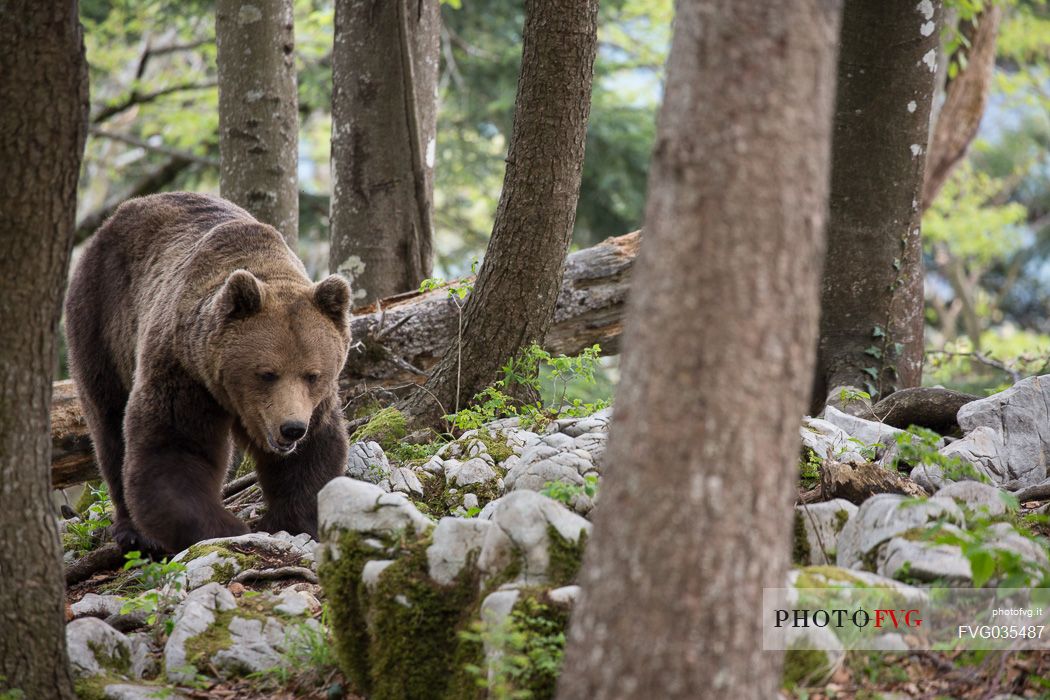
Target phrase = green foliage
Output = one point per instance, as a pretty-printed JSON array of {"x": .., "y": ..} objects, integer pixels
[
  {"x": 525, "y": 371},
  {"x": 159, "y": 583},
  {"x": 809, "y": 468},
  {"x": 565, "y": 492},
  {"x": 990, "y": 562},
  {"x": 7, "y": 693},
  {"x": 532, "y": 641},
  {"x": 84, "y": 536},
  {"x": 919, "y": 446}
]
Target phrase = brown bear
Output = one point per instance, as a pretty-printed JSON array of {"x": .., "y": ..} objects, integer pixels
[{"x": 192, "y": 326}]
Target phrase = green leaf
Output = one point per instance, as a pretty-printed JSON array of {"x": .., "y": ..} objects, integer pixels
[{"x": 982, "y": 566}]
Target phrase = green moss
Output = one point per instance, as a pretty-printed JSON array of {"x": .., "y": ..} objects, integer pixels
[
  {"x": 841, "y": 518},
  {"x": 565, "y": 557},
  {"x": 414, "y": 625},
  {"x": 400, "y": 640},
  {"x": 826, "y": 577},
  {"x": 341, "y": 579},
  {"x": 245, "y": 561},
  {"x": 118, "y": 662},
  {"x": 803, "y": 666},
  {"x": 387, "y": 427},
  {"x": 800, "y": 550},
  {"x": 212, "y": 640},
  {"x": 246, "y": 467},
  {"x": 93, "y": 687},
  {"x": 87, "y": 497},
  {"x": 496, "y": 444}
]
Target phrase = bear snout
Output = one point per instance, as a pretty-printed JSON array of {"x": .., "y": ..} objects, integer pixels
[{"x": 293, "y": 430}]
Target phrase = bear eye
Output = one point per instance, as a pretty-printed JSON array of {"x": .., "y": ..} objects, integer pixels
[
  {"x": 312, "y": 377},
  {"x": 268, "y": 377}
]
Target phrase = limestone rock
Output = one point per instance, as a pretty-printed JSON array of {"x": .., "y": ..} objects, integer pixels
[
  {"x": 528, "y": 528},
  {"x": 817, "y": 530},
  {"x": 193, "y": 618},
  {"x": 96, "y": 648},
  {"x": 923, "y": 561},
  {"x": 882, "y": 517},
  {"x": 100, "y": 606},
  {"x": 455, "y": 543},
  {"x": 1020, "y": 417},
  {"x": 367, "y": 461},
  {"x": 349, "y": 505},
  {"x": 975, "y": 496}
]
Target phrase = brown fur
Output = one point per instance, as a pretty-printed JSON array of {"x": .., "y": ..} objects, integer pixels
[{"x": 191, "y": 323}]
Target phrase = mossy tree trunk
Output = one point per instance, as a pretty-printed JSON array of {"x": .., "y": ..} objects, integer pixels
[
  {"x": 871, "y": 331},
  {"x": 384, "y": 129},
  {"x": 717, "y": 361},
  {"x": 44, "y": 73},
  {"x": 513, "y": 301},
  {"x": 259, "y": 110}
]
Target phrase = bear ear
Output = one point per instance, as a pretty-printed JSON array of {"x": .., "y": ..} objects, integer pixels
[
  {"x": 241, "y": 295},
  {"x": 332, "y": 296}
]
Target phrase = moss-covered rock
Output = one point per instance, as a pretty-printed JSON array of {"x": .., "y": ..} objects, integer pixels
[{"x": 386, "y": 427}]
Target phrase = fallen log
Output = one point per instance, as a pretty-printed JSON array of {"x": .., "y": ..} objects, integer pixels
[
  {"x": 858, "y": 483},
  {"x": 398, "y": 339}
]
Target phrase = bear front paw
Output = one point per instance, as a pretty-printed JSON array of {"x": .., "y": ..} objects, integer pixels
[{"x": 128, "y": 538}]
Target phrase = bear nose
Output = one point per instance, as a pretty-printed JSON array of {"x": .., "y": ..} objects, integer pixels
[{"x": 293, "y": 430}]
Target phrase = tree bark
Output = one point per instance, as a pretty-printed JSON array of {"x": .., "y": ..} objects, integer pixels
[
  {"x": 384, "y": 128},
  {"x": 871, "y": 331},
  {"x": 404, "y": 337},
  {"x": 44, "y": 73},
  {"x": 718, "y": 360},
  {"x": 259, "y": 110},
  {"x": 513, "y": 301},
  {"x": 965, "y": 98}
]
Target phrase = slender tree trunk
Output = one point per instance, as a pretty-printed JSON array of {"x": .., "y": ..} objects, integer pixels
[
  {"x": 384, "y": 128},
  {"x": 871, "y": 331},
  {"x": 259, "y": 110},
  {"x": 513, "y": 300},
  {"x": 706, "y": 421},
  {"x": 966, "y": 95},
  {"x": 43, "y": 72}
]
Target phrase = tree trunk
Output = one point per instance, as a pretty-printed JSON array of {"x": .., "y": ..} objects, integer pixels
[
  {"x": 44, "y": 73},
  {"x": 406, "y": 336},
  {"x": 966, "y": 95},
  {"x": 871, "y": 331},
  {"x": 513, "y": 301},
  {"x": 259, "y": 110},
  {"x": 718, "y": 360},
  {"x": 384, "y": 126}
]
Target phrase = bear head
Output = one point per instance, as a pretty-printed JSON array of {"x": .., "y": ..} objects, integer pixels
[{"x": 277, "y": 353}]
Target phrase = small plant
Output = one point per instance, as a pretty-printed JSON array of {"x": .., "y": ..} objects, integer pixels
[
  {"x": 809, "y": 467},
  {"x": 85, "y": 535},
  {"x": 532, "y": 642},
  {"x": 919, "y": 446},
  {"x": 159, "y": 583},
  {"x": 525, "y": 371},
  {"x": 308, "y": 656},
  {"x": 848, "y": 395},
  {"x": 565, "y": 492},
  {"x": 989, "y": 561},
  {"x": 10, "y": 693}
]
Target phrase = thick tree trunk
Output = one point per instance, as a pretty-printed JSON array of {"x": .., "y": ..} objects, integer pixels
[
  {"x": 513, "y": 301},
  {"x": 718, "y": 360},
  {"x": 259, "y": 110},
  {"x": 43, "y": 72},
  {"x": 965, "y": 98},
  {"x": 405, "y": 337},
  {"x": 384, "y": 128},
  {"x": 871, "y": 331}
]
